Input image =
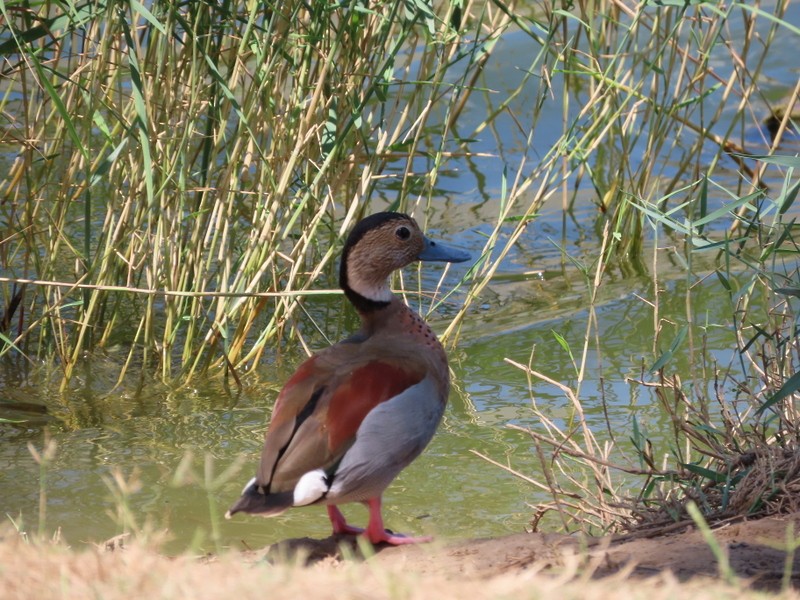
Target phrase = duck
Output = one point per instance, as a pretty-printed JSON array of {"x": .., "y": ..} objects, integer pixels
[{"x": 355, "y": 414}]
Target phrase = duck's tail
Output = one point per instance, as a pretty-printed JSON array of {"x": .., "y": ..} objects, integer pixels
[{"x": 255, "y": 501}]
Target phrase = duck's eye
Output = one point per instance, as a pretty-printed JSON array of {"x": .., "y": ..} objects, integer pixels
[{"x": 402, "y": 232}]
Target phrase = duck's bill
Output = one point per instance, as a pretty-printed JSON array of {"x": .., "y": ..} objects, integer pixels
[{"x": 437, "y": 251}]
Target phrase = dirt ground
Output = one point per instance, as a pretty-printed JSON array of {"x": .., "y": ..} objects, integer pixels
[
  {"x": 755, "y": 552},
  {"x": 541, "y": 566}
]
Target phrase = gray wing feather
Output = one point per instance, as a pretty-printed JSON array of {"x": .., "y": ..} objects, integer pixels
[{"x": 391, "y": 436}]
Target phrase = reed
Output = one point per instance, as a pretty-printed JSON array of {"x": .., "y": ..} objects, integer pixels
[
  {"x": 655, "y": 99},
  {"x": 181, "y": 173}
]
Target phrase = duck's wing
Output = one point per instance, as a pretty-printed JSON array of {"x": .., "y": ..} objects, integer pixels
[
  {"x": 320, "y": 409},
  {"x": 316, "y": 417}
]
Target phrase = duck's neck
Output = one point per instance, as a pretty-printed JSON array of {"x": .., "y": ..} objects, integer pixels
[
  {"x": 367, "y": 297},
  {"x": 366, "y": 286}
]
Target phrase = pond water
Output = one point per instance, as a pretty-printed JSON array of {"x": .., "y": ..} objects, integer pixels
[
  {"x": 449, "y": 491},
  {"x": 147, "y": 431}
]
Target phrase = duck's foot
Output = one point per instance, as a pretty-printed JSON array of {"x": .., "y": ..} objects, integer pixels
[
  {"x": 376, "y": 533},
  {"x": 340, "y": 526},
  {"x": 395, "y": 539}
]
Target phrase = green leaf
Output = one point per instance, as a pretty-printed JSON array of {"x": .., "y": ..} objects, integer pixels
[
  {"x": 9, "y": 343},
  {"x": 724, "y": 281},
  {"x": 667, "y": 356},
  {"x": 727, "y": 209},
  {"x": 787, "y": 197},
  {"x": 792, "y": 162},
  {"x": 52, "y": 27},
  {"x": 59, "y": 104},
  {"x": 328, "y": 134},
  {"x": 149, "y": 17},
  {"x": 705, "y": 473},
  {"x": 2, "y": 420},
  {"x": 561, "y": 341},
  {"x": 695, "y": 99},
  {"x": 703, "y": 198},
  {"x": 142, "y": 119},
  {"x": 709, "y": 429},
  {"x": 769, "y": 16},
  {"x": 518, "y": 218},
  {"x": 105, "y": 165},
  {"x": 675, "y": 3},
  {"x": 789, "y": 387},
  {"x": 788, "y": 291},
  {"x": 13, "y": 45}
]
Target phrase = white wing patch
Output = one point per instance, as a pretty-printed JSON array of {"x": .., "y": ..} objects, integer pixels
[
  {"x": 247, "y": 485},
  {"x": 311, "y": 487}
]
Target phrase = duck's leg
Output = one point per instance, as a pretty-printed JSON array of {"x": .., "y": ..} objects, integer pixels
[
  {"x": 376, "y": 533},
  {"x": 339, "y": 523}
]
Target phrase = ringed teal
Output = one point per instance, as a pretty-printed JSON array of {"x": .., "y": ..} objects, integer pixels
[{"x": 355, "y": 414}]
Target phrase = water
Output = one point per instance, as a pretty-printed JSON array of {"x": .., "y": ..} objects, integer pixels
[
  {"x": 146, "y": 431},
  {"x": 450, "y": 491}
]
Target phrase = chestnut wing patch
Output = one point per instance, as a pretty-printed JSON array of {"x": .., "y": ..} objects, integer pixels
[{"x": 362, "y": 390}]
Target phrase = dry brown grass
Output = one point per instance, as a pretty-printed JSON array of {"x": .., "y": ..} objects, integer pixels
[{"x": 46, "y": 570}]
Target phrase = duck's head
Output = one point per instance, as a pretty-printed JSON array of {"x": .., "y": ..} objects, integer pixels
[{"x": 380, "y": 244}]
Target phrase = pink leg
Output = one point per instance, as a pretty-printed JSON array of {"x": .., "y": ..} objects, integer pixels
[
  {"x": 377, "y": 534},
  {"x": 339, "y": 523}
]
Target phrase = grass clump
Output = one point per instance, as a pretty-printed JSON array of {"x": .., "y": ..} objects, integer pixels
[{"x": 732, "y": 448}]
